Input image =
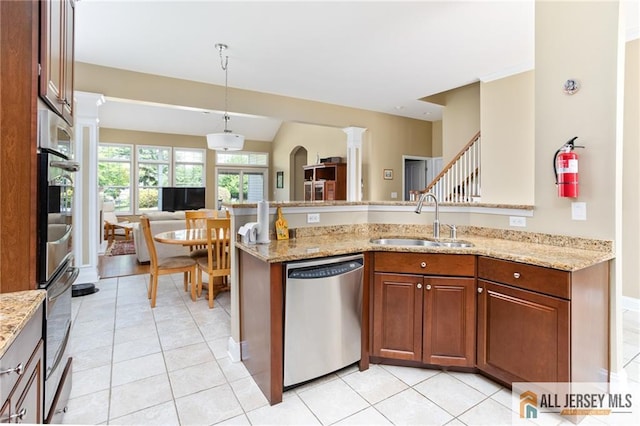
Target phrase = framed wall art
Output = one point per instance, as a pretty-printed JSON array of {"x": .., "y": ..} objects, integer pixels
[{"x": 388, "y": 174}]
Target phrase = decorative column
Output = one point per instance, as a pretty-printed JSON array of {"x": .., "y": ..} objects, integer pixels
[
  {"x": 354, "y": 162},
  {"x": 87, "y": 227}
]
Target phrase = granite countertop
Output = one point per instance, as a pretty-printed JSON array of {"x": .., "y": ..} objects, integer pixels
[
  {"x": 16, "y": 309},
  {"x": 552, "y": 251}
]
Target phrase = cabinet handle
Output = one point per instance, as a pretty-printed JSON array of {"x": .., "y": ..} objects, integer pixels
[
  {"x": 419, "y": 285},
  {"x": 18, "y": 370},
  {"x": 516, "y": 275},
  {"x": 19, "y": 415},
  {"x": 428, "y": 287},
  {"x": 479, "y": 289},
  {"x": 423, "y": 265}
]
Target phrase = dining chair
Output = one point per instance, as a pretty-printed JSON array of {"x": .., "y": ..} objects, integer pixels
[
  {"x": 217, "y": 263},
  {"x": 165, "y": 266},
  {"x": 198, "y": 219}
]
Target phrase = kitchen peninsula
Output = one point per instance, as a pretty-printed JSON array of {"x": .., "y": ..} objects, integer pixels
[{"x": 554, "y": 291}]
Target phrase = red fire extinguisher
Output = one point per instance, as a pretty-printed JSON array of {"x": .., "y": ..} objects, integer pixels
[{"x": 565, "y": 166}]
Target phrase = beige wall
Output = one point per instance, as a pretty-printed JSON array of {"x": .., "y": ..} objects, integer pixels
[
  {"x": 631, "y": 172},
  {"x": 508, "y": 144},
  {"x": 460, "y": 117},
  {"x": 387, "y": 138},
  {"x": 589, "y": 114},
  {"x": 436, "y": 138},
  {"x": 317, "y": 140}
]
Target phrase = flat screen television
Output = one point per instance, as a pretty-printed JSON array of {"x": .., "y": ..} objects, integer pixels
[{"x": 182, "y": 198}]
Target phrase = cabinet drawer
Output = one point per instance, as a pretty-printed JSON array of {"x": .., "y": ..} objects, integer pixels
[
  {"x": 535, "y": 278},
  {"x": 20, "y": 351},
  {"x": 460, "y": 265}
]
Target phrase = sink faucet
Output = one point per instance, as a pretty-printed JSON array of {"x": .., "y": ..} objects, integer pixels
[{"x": 436, "y": 221}]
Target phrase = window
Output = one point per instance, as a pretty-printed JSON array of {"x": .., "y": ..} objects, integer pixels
[
  {"x": 115, "y": 163},
  {"x": 189, "y": 167},
  {"x": 155, "y": 167},
  {"x": 241, "y": 176}
]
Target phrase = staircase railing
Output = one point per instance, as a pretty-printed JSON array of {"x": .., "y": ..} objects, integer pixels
[{"x": 459, "y": 181}]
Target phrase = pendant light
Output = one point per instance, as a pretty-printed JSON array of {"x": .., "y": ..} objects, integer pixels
[{"x": 227, "y": 140}]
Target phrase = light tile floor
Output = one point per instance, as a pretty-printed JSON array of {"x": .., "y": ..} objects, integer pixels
[{"x": 169, "y": 365}]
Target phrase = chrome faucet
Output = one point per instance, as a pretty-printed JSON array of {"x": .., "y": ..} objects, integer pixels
[{"x": 436, "y": 222}]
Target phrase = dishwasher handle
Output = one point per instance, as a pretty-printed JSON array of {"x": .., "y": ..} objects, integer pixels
[{"x": 325, "y": 271}]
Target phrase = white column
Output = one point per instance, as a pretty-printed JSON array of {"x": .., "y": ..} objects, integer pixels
[
  {"x": 87, "y": 227},
  {"x": 354, "y": 162}
]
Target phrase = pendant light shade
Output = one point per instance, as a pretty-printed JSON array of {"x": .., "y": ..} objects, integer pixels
[{"x": 227, "y": 140}]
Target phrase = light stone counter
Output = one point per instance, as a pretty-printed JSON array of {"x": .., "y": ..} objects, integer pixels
[
  {"x": 558, "y": 252},
  {"x": 16, "y": 309}
]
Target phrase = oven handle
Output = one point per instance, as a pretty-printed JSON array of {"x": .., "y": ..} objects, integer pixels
[
  {"x": 70, "y": 166},
  {"x": 68, "y": 283},
  {"x": 61, "y": 351}
]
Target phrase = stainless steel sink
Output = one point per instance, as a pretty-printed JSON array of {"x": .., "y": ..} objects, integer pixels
[{"x": 418, "y": 242}]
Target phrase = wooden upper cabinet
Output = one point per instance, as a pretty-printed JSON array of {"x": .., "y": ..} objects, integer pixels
[{"x": 57, "y": 19}]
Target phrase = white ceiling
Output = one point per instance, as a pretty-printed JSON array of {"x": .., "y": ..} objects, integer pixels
[{"x": 372, "y": 55}]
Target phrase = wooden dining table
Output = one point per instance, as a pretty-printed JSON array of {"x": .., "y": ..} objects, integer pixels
[{"x": 185, "y": 237}]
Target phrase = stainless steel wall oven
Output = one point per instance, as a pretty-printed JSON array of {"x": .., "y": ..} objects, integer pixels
[{"x": 55, "y": 269}]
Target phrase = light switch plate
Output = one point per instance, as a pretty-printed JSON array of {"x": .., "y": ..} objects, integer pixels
[
  {"x": 579, "y": 211},
  {"x": 313, "y": 217},
  {"x": 518, "y": 221}
]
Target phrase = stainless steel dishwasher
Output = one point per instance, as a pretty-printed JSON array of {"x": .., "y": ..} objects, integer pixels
[{"x": 322, "y": 316}]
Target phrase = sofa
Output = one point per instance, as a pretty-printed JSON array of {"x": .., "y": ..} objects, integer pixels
[{"x": 160, "y": 222}]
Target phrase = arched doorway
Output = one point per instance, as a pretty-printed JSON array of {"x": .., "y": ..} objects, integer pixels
[{"x": 297, "y": 159}]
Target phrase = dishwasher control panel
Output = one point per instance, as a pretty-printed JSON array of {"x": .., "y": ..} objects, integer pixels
[{"x": 325, "y": 271}]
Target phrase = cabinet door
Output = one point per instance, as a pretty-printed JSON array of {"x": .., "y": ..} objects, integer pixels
[
  {"x": 522, "y": 336},
  {"x": 449, "y": 330},
  {"x": 330, "y": 191},
  {"x": 308, "y": 191},
  {"x": 397, "y": 316},
  {"x": 56, "y": 55},
  {"x": 51, "y": 52},
  {"x": 30, "y": 402},
  {"x": 25, "y": 403},
  {"x": 318, "y": 191},
  {"x": 68, "y": 57}
]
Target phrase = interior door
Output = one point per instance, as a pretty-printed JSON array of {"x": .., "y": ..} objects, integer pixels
[{"x": 415, "y": 176}]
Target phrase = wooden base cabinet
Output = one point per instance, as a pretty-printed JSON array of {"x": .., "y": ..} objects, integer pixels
[
  {"x": 428, "y": 319},
  {"x": 22, "y": 375},
  {"x": 522, "y": 336},
  {"x": 539, "y": 324}
]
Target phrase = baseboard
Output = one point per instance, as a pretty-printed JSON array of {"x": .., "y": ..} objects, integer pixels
[
  {"x": 233, "y": 349},
  {"x": 630, "y": 303},
  {"x": 618, "y": 378},
  {"x": 88, "y": 274},
  {"x": 103, "y": 248}
]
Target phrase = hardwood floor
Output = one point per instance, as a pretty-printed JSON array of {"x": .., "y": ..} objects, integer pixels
[{"x": 120, "y": 266}]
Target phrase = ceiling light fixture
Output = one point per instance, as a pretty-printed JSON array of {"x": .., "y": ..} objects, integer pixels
[{"x": 227, "y": 140}]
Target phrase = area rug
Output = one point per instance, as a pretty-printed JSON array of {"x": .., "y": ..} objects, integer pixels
[{"x": 119, "y": 248}]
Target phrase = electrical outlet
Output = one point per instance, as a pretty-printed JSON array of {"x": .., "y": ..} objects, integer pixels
[
  {"x": 579, "y": 211},
  {"x": 313, "y": 217},
  {"x": 518, "y": 221},
  {"x": 394, "y": 195}
]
